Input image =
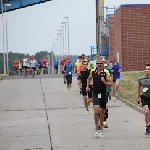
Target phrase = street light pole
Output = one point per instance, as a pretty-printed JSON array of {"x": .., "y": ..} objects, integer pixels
[
  {"x": 60, "y": 42},
  {"x": 68, "y": 32},
  {"x": 48, "y": 56},
  {"x": 65, "y": 35},
  {"x": 7, "y": 5},
  {"x": 57, "y": 38},
  {"x": 3, "y": 38}
]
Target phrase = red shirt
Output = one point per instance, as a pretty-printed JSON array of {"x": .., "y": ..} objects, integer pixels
[
  {"x": 16, "y": 64},
  {"x": 63, "y": 62},
  {"x": 44, "y": 61}
]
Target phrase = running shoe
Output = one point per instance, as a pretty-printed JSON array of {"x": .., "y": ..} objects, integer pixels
[
  {"x": 96, "y": 135},
  {"x": 68, "y": 90},
  {"x": 87, "y": 112},
  {"x": 116, "y": 94},
  {"x": 109, "y": 96},
  {"x": 64, "y": 82},
  {"x": 105, "y": 125},
  {"x": 80, "y": 91},
  {"x": 147, "y": 131},
  {"x": 114, "y": 98},
  {"x": 100, "y": 134}
]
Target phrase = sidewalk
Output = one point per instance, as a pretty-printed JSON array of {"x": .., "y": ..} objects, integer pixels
[{"x": 41, "y": 114}]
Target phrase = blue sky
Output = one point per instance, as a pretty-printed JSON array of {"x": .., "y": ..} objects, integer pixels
[{"x": 34, "y": 29}]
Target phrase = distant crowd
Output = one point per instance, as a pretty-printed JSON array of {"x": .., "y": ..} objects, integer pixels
[{"x": 30, "y": 66}]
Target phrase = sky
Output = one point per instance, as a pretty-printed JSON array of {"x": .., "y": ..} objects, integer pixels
[{"x": 33, "y": 29}]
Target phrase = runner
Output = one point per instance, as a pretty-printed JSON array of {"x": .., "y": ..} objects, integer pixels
[
  {"x": 28, "y": 66},
  {"x": 83, "y": 76},
  {"x": 33, "y": 66},
  {"x": 25, "y": 65},
  {"x": 101, "y": 79},
  {"x": 77, "y": 70},
  {"x": 144, "y": 83},
  {"x": 62, "y": 64},
  {"x": 68, "y": 73},
  {"x": 89, "y": 62},
  {"x": 20, "y": 68},
  {"x": 44, "y": 61},
  {"x": 106, "y": 67},
  {"x": 115, "y": 69},
  {"x": 97, "y": 58},
  {"x": 40, "y": 66},
  {"x": 56, "y": 62},
  {"x": 16, "y": 65}
]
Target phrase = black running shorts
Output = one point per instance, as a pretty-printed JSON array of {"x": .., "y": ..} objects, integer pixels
[
  {"x": 145, "y": 101},
  {"x": 99, "y": 101},
  {"x": 69, "y": 79},
  {"x": 84, "y": 93}
]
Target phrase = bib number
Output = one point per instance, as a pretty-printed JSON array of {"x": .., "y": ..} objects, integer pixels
[{"x": 99, "y": 95}]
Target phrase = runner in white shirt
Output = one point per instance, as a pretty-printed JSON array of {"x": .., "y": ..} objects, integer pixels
[
  {"x": 33, "y": 66},
  {"x": 25, "y": 65},
  {"x": 28, "y": 66}
]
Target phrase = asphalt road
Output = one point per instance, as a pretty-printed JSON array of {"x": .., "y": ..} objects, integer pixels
[{"x": 39, "y": 113}]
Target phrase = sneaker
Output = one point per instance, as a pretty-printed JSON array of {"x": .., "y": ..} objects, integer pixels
[
  {"x": 105, "y": 125},
  {"x": 87, "y": 112},
  {"x": 100, "y": 134},
  {"x": 147, "y": 131},
  {"x": 68, "y": 90},
  {"x": 80, "y": 92},
  {"x": 114, "y": 98},
  {"x": 116, "y": 94},
  {"x": 96, "y": 135},
  {"x": 109, "y": 96},
  {"x": 64, "y": 82}
]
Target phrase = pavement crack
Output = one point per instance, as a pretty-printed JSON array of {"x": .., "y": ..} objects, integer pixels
[{"x": 46, "y": 114}]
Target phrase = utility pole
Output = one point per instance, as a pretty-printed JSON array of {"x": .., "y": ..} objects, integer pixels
[{"x": 99, "y": 21}]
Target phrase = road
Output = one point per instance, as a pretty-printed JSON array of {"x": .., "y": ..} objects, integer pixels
[{"x": 39, "y": 113}]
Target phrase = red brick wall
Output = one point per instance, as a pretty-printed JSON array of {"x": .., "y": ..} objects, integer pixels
[
  {"x": 132, "y": 37},
  {"x": 118, "y": 34},
  {"x": 112, "y": 50}
]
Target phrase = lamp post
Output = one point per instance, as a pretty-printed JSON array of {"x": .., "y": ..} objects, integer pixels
[
  {"x": 3, "y": 38},
  {"x": 59, "y": 68},
  {"x": 65, "y": 35},
  {"x": 7, "y": 64},
  {"x": 48, "y": 56},
  {"x": 68, "y": 32},
  {"x": 57, "y": 38},
  {"x": 60, "y": 42}
]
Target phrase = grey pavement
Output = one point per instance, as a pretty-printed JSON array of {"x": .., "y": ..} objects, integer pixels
[{"x": 39, "y": 113}]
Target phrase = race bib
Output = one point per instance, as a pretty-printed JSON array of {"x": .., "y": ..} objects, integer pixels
[
  {"x": 145, "y": 89},
  {"x": 99, "y": 95}
]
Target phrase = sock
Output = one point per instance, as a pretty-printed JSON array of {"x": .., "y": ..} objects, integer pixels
[{"x": 105, "y": 115}]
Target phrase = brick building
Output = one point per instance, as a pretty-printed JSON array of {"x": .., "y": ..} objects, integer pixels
[{"x": 129, "y": 36}]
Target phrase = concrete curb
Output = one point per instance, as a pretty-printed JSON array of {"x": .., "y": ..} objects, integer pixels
[{"x": 135, "y": 107}]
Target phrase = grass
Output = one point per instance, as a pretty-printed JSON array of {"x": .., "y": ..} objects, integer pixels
[
  {"x": 132, "y": 75},
  {"x": 2, "y": 75},
  {"x": 128, "y": 91}
]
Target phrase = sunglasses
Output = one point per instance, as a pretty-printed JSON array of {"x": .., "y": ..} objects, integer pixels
[
  {"x": 84, "y": 64},
  {"x": 99, "y": 63}
]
